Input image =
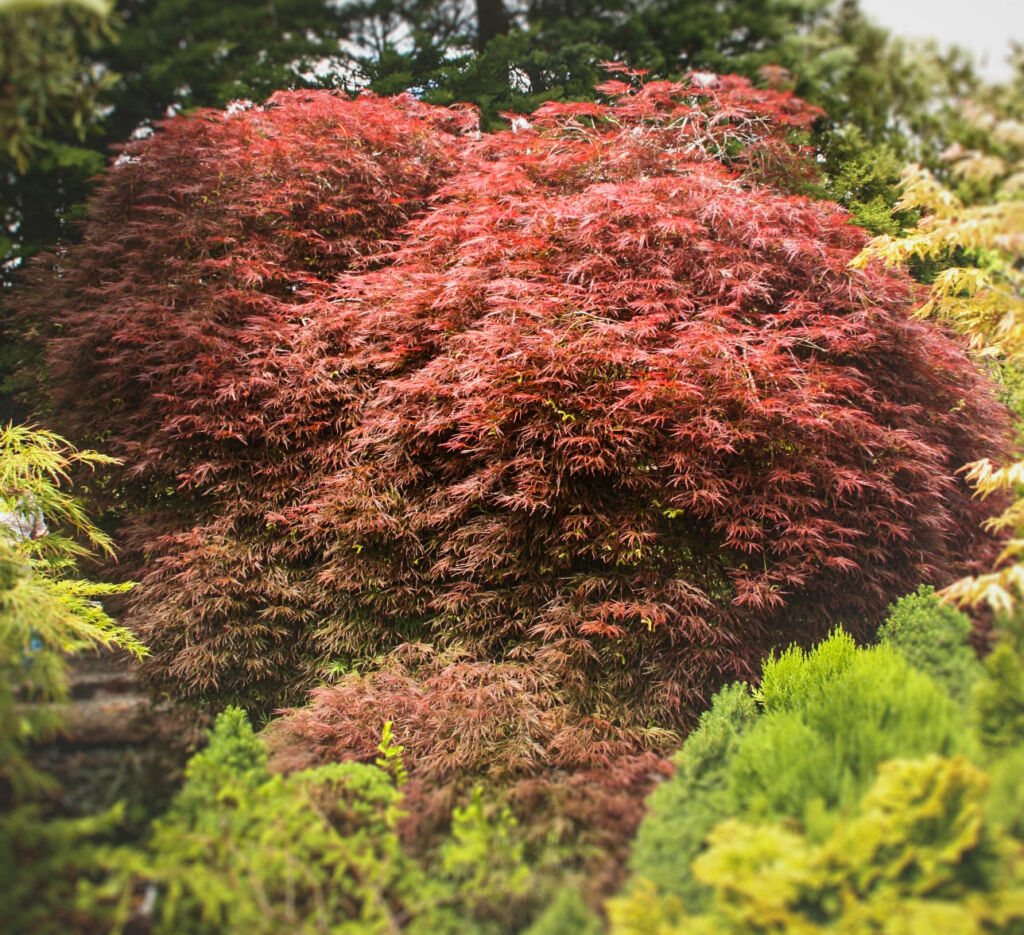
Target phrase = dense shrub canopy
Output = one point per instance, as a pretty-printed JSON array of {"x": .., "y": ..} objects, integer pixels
[
  {"x": 594, "y": 392},
  {"x": 843, "y": 793}
]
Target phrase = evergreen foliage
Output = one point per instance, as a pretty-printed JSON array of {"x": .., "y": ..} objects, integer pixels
[
  {"x": 50, "y": 86},
  {"x": 605, "y": 402},
  {"x": 933, "y": 637},
  {"x": 47, "y": 868},
  {"x": 825, "y": 722},
  {"x": 684, "y": 809},
  {"x": 1005, "y": 805},
  {"x": 824, "y": 746},
  {"x": 241, "y": 849},
  {"x": 916, "y": 856},
  {"x": 185, "y": 54}
]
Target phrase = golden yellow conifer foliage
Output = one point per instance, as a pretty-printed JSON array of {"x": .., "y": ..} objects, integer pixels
[{"x": 982, "y": 295}]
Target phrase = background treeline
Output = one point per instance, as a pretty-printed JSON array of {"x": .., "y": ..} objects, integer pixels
[{"x": 78, "y": 82}]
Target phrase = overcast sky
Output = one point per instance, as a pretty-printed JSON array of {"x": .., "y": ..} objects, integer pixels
[{"x": 983, "y": 26}]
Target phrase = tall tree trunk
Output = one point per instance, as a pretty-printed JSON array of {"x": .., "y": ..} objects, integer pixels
[{"x": 491, "y": 20}]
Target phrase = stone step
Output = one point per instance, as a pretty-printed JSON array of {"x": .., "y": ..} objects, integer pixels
[
  {"x": 85, "y": 685},
  {"x": 104, "y": 719},
  {"x": 115, "y": 742}
]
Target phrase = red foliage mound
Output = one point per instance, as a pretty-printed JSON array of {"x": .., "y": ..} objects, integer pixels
[
  {"x": 464, "y": 722},
  {"x": 455, "y": 717},
  {"x": 594, "y": 395}
]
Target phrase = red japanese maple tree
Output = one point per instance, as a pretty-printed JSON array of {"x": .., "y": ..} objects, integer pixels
[{"x": 596, "y": 394}]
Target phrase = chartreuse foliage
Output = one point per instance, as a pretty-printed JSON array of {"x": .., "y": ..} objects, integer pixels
[
  {"x": 915, "y": 856},
  {"x": 46, "y": 612},
  {"x": 241, "y": 849},
  {"x": 846, "y": 799},
  {"x": 977, "y": 234},
  {"x": 818, "y": 744},
  {"x": 821, "y": 723}
]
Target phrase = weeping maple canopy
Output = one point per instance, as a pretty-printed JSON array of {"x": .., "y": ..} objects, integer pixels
[{"x": 597, "y": 393}]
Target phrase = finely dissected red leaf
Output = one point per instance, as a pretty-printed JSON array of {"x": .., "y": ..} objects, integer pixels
[{"x": 597, "y": 396}]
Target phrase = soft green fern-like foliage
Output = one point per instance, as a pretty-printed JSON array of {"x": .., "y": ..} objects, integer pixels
[
  {"x": 918, "y": 857},
  {"x": 46, "y": 611},
  {"x": 933, "y": 637}
]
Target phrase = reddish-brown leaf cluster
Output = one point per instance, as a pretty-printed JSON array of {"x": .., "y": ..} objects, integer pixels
[
  {"x": 464, "y": 722},
  {"x": 593, "y": 397},
  {"x": 454, "y": 716}
]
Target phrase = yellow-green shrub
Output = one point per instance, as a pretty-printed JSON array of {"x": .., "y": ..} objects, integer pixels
[
  {"x": 917, "y": 858},
  {"x": 244, "y": 850},
  {"x": 807, "y": 747},
  {"x": 850, "y": 800}
]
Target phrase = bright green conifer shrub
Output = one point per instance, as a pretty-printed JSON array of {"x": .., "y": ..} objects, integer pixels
[
  {"x": 821, "y": 743},
  {"x": 802, "y": 750},
  {"x": 933, "y": 637},
  {"x": 917, "y": 857},
  {"x": 848, "y": 803}
]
